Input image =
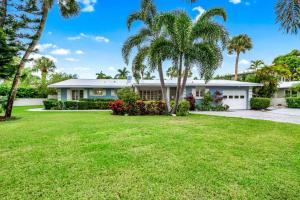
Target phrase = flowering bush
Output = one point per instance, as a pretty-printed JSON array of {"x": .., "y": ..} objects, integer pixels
[
  {"x": 192, "y": 101},
  {"x": 141, "y": 107},
  {"x": 118, "y": 107}
]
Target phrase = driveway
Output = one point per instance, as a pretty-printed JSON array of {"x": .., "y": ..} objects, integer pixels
[{"x": 278, "y": 115}]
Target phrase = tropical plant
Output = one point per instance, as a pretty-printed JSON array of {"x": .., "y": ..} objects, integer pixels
[
  {"x": 256, "y": 64},
  {"x": 142, "y": 42},
  {"x": 149, "y": 76},
  {"x": 239, "y": 44},
  {"x": 173, "y": 73},
  {"x": 60, "y": 76},
  {"x": 291, "y": 60},
  {"x": 122, "y": 73},
  {"x": 187, "y": 44},
  {"x": 38, "y": 9},
  {"x": 102, "y": 75},
  {"x": 288, "y": 15},
  {"x": 45, "y": 66}
]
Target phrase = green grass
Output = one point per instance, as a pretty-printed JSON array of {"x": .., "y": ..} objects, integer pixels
[{"x": 61, "y": 155}]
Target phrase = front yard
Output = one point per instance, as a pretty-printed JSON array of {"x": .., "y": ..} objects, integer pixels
[{"x": 94, "y": 155}]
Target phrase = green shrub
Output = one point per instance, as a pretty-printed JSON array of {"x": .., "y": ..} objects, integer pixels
[
  {"x": 293, "y": 102},
  {"x": 75, "y": 105},
  {"x": 1, "y": 109},
  {"x": 259, "y": 103},
  {"x": 51, "y": 104},
  {"x": 27, "y": 92},
  {"x": 219, "y": 108},
  {"x": 183, "y": 108},
  {"x": 128, "y": 95}
]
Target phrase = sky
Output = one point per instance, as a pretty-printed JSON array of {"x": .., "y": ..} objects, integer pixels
[{"x": 92, "y": 41}]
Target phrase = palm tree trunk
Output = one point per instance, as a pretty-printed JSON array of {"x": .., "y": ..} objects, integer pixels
[
  {"x": 44, "y": 75},
  {"x": 15, "y": 84},
  {"x": 163, "y": 86},
  {"x": 178, "y": 89},
  {"x": 236, "y": 69},
  {"x": 4, "y": 11},
  {"x": 186, "y": 74}
]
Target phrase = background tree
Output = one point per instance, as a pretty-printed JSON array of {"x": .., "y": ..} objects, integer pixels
[
  {"x": 61, "y": 76},
  {"x": 45, "y": 66},
  {"x": 149, "y": 76},
  {"x": 239, "y": 44},
  {"x": 122, "y": 73},
  {"x": 288, "y": 15},
  {"x": 256, "y": 64},
  {"x": 33, "y": 15},
  {"x": 102, "y": 75},
  {"x": 173, "y": 73}
]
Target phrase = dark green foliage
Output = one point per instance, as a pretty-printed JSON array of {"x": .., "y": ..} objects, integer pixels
[
  {"x": 183, "y": 108},
  {"x": 219, "y": 107},
  {"x": 76, "y": 105},
  {"x": 293, "y": 102},
  {"x": 3, "y": 102},
  {"x": 24, "y": 92},
  {"x": 192, "y": 101},
  {"x": 260, "y": 103},
  {"x": 212, "y": 103},
  {"x": 128, "y": 95}
]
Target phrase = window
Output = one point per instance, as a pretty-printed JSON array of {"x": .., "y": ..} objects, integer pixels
[
  {"x": 236, "y": 97},
  {"x": 230, "y": 97},
  {"x": 150, "y": 94},
  {"x": 77, "y": 95},
  {"x": 294, "y": 93},
  {"x": 242, "y": 97},
  {"x": 200, "y": 92},
  {"x": 99, "y": 92},
  {"x": 225, "y": 97},
  {"x": 113, "y": 93}
]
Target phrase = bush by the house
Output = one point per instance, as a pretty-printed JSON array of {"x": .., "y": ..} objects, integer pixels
[
  {"x": 183, "y": 108},
  {"x": 293, "y": 102},
  {"x": 219, "y": 108},
  {"x": 128, "y": 95},
  {"x": 259, "y": 103},
  {"x": 76, "y": 105},
  {"x": 191, "y": 99},
  {"x": 212, "y": 103},
  {"x": 118, "y": 107},
  {"x": 27, "y": 92}
]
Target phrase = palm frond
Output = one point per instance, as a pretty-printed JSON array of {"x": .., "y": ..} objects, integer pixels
[
  {"x": 208, "y": 15},
  {"x": 138, "y": 61},
  {"x": 288, "y": 15},
  {"x": 68, "y": 8}
]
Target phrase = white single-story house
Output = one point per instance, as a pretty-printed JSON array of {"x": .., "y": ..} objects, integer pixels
[
  {"x": 236, "y": 94},
  {"x": 283, "y": 92}
]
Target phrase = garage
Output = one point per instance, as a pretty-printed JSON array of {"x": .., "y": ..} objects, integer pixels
[{"x": 235, "y": 99}]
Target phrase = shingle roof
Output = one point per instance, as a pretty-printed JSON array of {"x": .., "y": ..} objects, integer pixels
[{"x": 118, "y": 83}]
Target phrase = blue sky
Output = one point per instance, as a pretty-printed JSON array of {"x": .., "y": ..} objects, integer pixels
[{"x": 92, "y": 41}]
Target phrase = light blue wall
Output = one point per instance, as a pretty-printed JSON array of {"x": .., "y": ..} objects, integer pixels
[{"x": 107, "y": 94}]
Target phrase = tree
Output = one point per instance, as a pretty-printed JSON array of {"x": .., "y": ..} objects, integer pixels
[
  {"x": 122, "y": 73},
  {"x": 288, "y": 15},
  {"x": 142, "y": 42},
  {"x": 187, "y": 44},
  {"x": 58, "y": 77},
  {"x": 101, "y": 75},
  {"x": 256, "y": 64},
  {"x": 149, "y": 76},
  {"x": 173, "y": 73},
  {"x": 291, "y": 60},
  {"x": 239, "y": 44},
  {"x": 45, "y": 66},
  {"x": 40, "y": 9}
]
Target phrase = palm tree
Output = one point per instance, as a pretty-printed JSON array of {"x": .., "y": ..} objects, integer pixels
[
  {"x": 122, "y": 73},
  {"x": 187, "y": 44},
  {"x": 288, "y": 15},
  {"x": 44, "y": 65},
  {"x": 172, "y": 72},
  {"x": 101, "y": 75},
  {"x": 149, "y": 76},
  {"x": 239, "y": 44},
  {"x": 67, "y": 9},
  {"x": 142, "y": 42},
  {"x": 256, "y": 64}
]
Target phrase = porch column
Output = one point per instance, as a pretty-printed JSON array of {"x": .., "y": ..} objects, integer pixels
[
  {"x": 59, "y": 94},
  {"x": 250, "y": 95},
  {"x": 168, "y": 94}
]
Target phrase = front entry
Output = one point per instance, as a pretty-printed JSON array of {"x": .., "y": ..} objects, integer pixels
[{"x": 77, "y": 95}]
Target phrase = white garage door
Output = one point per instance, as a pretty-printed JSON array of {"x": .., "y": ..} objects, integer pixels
[{"x": 235, "y": 99}]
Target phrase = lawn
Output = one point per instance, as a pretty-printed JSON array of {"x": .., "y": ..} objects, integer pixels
[{"x": 94, "y": 155}]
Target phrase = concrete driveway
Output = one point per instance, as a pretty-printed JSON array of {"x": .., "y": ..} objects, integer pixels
[{"x": 278, "y": 115}]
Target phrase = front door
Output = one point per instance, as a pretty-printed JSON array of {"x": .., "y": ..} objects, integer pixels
[{"x": 77, "y": 95}]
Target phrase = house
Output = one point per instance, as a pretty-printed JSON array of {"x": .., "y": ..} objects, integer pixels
[
  {"x": 236, "y": 94},
  {"x": 283, "y": 92}
]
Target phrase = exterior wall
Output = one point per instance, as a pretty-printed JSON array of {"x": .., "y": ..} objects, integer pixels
[
  {"x": 28, "y": 102},
  {"x": 108, "y": 94},
  {"x": 65, "y": 94},
  {"x": 278, "y": 102}
]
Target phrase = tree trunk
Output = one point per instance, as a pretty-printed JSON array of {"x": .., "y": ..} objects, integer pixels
[
  {"x": 236, "y": 69},
  {"x": 178, "y": 89},
  {"x": 163, "y": 87},
  {"x": 44, "y": 75},
  {"x": 4, "y": 13},
  {"x": 15, "y": 84},
  {"x": 185, "y": 77}
]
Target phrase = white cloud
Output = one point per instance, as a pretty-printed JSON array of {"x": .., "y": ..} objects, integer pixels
[
  {"x": 89, "y": 8},
  {"x": 49, "y": 33},
  {"x": 43, "y": 47},
  {"x": 244, "y": 62},
  {"x": 88, "y": 5},
  {"x": 81, "y": 69},
  {"x": 74, "y": 38},
  {"x": 112, "y": 69},
  {"x": 61, "y": 52},
  {"x": 79, "y": 52},
  {"x": 235, "y": 1},
  {"x": 72, "y": 59},
  {"x": 102, "y": 39},
  {"x": 200, "y": 10}
]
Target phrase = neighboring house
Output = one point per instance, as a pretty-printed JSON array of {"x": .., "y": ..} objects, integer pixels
[
  {"x": 236, "y": 94},
  {"x": 283, "y": 92}
]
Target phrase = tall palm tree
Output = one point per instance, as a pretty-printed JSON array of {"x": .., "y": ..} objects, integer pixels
[
  {"x": 68, "y": 8},
  {"x": 256, "y": 64},
  {"x": 187, "y": 44},
  {"x": 44, "y": 65},
  {"x": 122, "y": 73},
  {"x": 288, "y": 15},
  {"x": 142, "y": 42},
  {"x": 239, "y": 44}
]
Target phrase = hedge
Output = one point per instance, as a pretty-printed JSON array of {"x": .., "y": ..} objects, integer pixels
[
  {"x": 76, "y": 105},
  {"x": 293, "y": 102},
  {"x": 24, "y": 92},
  {"x": 259, "y": 103}
]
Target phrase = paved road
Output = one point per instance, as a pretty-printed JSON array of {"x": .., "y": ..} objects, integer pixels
[{"x": 278, "y": 115}]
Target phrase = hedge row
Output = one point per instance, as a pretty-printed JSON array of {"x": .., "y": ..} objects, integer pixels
[
  {"x": 293, "y": 102},
  {"x": 259, "y": 103},
  {"x": 76, "y": 105},
  {"x": 24, "y": 92}
]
